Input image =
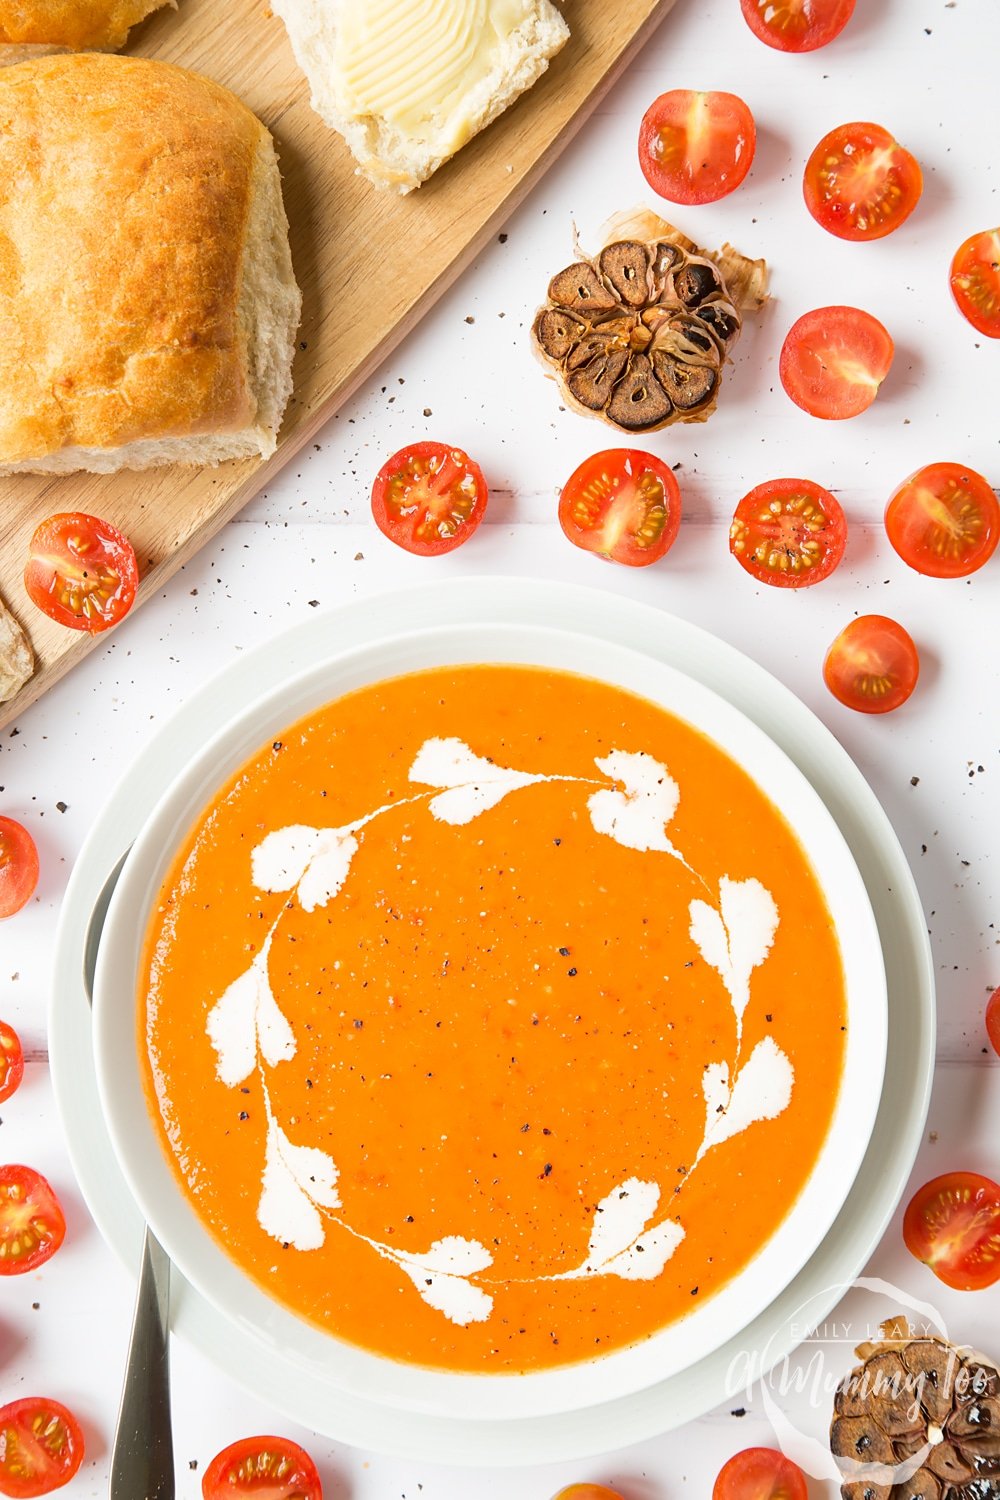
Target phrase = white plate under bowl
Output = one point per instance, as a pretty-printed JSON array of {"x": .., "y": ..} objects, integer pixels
[
  {"x": 203, "y": 1259},
  {"x": 273, "y": 1372}
]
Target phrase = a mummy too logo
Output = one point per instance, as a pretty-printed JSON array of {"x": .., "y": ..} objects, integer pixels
[{"x": 878, "y": 1398}]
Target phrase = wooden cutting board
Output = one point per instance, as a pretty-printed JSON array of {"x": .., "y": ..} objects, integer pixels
[{"x": 344, "y": 233}]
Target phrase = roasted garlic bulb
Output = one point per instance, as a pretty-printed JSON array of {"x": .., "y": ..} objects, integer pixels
[
  {"x": 640, "y": 334},
  {"x": 919, "y": 1419}
]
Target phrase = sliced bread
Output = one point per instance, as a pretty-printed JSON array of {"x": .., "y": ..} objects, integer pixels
[{"x": 408, "y": 82}]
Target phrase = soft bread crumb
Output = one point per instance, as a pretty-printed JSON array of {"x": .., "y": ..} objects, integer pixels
[
  {"x": 148, "y": 453},
  {"x": 386, "y": 155},
  {"x": 17, "y": 660},
  {"x": 270, "y": 303}
]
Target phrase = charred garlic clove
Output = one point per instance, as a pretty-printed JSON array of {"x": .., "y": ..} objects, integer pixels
[
  {"x": 722, "y": 319},
  {"x": 865, "y": 1489},
  {"x": 638, "y": 401},
  {"x": 664, "y": 258},
  {"x": 558, "y": 331},
  {"x": 639, "y": 336},
  {"x": 698, "y": 280},
  {"x": 689, "y": 386},
  {"x": 923, "y": 1485},
  {"x": 594, "y": 383},
  {"x": 624, "y": 267},
  {"x": 861, "y": 1440},
  {"x": 581, "y": 289}
]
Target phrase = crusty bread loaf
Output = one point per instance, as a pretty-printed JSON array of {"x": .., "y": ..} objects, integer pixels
[
  {"x": 402, "y": 159},
  {"x": 34, "y": 27},
  {"x": 147, "y": 303}
]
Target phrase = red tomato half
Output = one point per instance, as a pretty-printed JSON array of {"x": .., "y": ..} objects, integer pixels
[
  {"x": 266, "y": 1468},
  {"x": 41, "y": 1447},
  {"x": 18, "y": 867},
  {"x": 760, "y": 1474},
  {"x": 797, "y": 25},
  {"x": 944, "y": 521},
  {"x": 953, "y": 1225},
  {"x": 32, "y": 1226},
  {"x": 788, "y": 532},
  {"x": 11, "y": 1061},
  {"x": 872, "y": 666},
  {"x": 429, "y": 498},
  {"x": 696, "y": 148},
  {"x": 993, "y": 1021},
  {"x": 624, "y": 505},
  {"x": 860, "y": 184},
  {"x": 81, "y": 572},
  {"x": 975, "y": 281},
  {"x": 587, "y": 1492},
  {"x": 833, "y": 361}
]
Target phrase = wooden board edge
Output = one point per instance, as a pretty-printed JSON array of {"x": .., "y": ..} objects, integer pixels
[{"x": 49, "y": 674}]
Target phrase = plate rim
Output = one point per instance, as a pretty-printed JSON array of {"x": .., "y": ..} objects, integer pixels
[{"x": 761, "y": 698}]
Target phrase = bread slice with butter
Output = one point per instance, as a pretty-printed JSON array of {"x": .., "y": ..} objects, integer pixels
[{"x": 408, "y": 82}]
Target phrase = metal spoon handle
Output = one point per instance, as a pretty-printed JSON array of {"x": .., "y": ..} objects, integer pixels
[{"x": 142, "y": 1462}]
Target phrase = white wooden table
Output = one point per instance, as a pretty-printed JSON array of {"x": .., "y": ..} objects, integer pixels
[{"x": 924, "y": 68}]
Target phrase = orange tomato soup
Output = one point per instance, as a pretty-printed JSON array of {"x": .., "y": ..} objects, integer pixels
[{"x": 444, "y": 1081}]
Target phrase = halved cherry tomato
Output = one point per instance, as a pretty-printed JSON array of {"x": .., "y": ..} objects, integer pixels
[
  {"x": 696, "y": 148},
  {"x": 797, "y": 25},
  {"x": 760, "y": 1474},
  {"x": 944, "y": 521},
  {"x": 11, "y": 1061},
  {"x": 860, "y": 184},
  {"x": 267, "y": 1468},
  {"x": 18, "y": 867},
  {"x": 975, "y": 281},
  {"x": 82, "y": 572},
  {"x": 953, "y": 1225},
  {"x": 587, "y": 1492},
  {"x": 429, "y": 498},
  {"x": 833, "y": 361},
  {"x": 32, "y": 1226},
  {"x": 41, "y": 1447},
  {"x": 993, "y": 1021},
  {"x": 872, "y": 666},
  {"x": 788, "y": 532},
  {"x": 624, "y": 505}
]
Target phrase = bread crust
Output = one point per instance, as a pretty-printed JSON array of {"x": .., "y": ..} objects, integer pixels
[
  {"x": 103, "y": 24},
  {"x": 126, "y": 187}
]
